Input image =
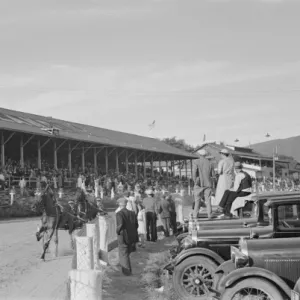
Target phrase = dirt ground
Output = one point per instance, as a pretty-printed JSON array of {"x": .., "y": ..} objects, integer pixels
[{"x": 23, "y": 276}]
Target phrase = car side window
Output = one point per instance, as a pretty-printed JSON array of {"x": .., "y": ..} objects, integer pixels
[{"x": 288, "y": 216}]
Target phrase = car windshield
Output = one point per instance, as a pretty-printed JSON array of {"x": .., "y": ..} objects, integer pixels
[{"x": 288, "y": 215}]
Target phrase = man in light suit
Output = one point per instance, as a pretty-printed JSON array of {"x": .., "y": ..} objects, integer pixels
[{"x": 202, "y": 175}]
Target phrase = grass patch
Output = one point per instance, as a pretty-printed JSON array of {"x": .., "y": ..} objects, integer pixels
[{"x": 154, "y": 278}]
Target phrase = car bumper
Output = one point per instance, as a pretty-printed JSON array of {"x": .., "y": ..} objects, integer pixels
[{"x": 169, "y": 268}]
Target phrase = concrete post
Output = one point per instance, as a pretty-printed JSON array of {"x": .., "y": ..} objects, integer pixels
[{"x": 84, "y": 249}]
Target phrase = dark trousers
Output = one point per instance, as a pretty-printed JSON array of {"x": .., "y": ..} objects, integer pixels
[
  {"x": 166, "y": 222},
  {"x": 151, "y": 226},
  {"x": 173, "y": 222},
  {"x": 228, "y": 198},
  {"x": 124, "y": 258}
]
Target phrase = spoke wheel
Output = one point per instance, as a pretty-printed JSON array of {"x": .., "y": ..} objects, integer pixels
[
  {"x": 252, "y": 289},
  {"x": 193, "y": 278}
]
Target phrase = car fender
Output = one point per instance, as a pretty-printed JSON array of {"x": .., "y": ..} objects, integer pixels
[
  {"x": 197, "y": 252},
  {"x": 297, "y": 286},
  {"x": 181, "y": 236},
  {"x": 243, "y": 273},
  {"x": 222, "y": 271}
]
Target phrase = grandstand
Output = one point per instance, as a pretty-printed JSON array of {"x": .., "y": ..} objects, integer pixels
[{"x": 27, "y": 136}]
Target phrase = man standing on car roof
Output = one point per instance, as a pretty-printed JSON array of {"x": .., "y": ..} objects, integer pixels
[{"x": 202, "y": 175}]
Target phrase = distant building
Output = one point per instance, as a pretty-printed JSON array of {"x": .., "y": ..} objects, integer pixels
[{"x": 256, "y": 164}]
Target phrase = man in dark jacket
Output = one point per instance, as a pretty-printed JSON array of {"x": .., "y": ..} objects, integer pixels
[{"x": 127, "y": 225}]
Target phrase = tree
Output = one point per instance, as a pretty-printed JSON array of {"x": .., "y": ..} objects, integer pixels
[{"x": 179, "y": 143}]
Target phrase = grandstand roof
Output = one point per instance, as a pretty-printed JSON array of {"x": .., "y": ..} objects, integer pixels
[{"x": 29, "y": 123}]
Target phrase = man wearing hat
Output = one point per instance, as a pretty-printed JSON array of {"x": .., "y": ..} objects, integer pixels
[
  {"x": 151, "y": 211},
  {"x": 225, "y": 172},
  {"x": 127, "y": 226},
  {"x": 202, "y": 176},
  {"x": 242, "y": 187}
]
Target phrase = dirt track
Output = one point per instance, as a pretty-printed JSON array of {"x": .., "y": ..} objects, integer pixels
[{"x": 22, "y": 274}]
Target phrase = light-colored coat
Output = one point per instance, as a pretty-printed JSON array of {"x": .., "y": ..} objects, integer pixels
[{"x": 226, "y": 174}]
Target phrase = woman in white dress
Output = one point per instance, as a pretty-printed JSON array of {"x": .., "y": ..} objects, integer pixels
[{"x": 225, "y": 171}]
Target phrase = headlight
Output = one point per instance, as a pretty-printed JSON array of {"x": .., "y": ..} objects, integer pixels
[
  {"x": 187, "y": 243},
  {"x": 240, "y": 259}
]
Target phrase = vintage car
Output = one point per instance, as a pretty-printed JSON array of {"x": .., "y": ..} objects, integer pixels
[
  {"x": 246, "y": 213},
  {"x": 266, "y": 267},
  {"x": 193, "y": 269}
]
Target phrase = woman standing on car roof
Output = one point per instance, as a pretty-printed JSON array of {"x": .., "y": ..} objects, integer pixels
[{"x": 225, "y": 171}]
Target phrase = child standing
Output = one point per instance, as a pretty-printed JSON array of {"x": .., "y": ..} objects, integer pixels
[{"x": 142, "y": 226}]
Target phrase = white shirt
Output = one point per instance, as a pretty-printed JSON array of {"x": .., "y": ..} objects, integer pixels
[
  {"x": 238, "y": 179},
  {"x": 2, "y": 177}
]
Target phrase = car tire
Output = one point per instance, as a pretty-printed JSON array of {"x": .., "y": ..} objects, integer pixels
[
  {"x": 184, "y": 272},
  {"x": 239, "y": 290}
]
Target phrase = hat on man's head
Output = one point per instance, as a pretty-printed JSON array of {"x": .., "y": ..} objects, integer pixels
[
  {"x": 224, "y": 151},
  {"x": 149, "y": 192},
  {"x": 202, "y": 152},
  {"x": 122, "y": 201},
  {"x": 238, "y": 165}
]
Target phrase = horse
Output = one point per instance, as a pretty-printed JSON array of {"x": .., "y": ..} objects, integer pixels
[{"x": 62, "y": 216}]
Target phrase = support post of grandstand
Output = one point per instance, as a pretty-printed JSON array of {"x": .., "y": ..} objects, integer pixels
[
  {"x": 39, "y": 162},
  {"x": 126, "y": 161},
  {"x": 152, "y": 165},
  {"x": 117, "y": 161},
  {"x": 55, "y": 155},
  {"x": 3, "y": 143},
  {"x": 179, "y": 167},
  {"x": 186, "y": 171},
  {"x": 70, "y": 158},
  {"x": 144, "y": 164},
  {"x": 106, "y": 160},
  {"x": 167, "y": 168},
  {"x": 82, "y": 159},
  {"x": 95, "y": 159},
  {"x": 21, "y": 152},
  {"x": 135, "y": 164}
]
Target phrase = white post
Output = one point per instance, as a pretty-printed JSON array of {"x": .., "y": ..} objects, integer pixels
[
  {"x": 103, "y": 240},
  {"x": 84, "y": 249},
  {"x": 85, "y": 284},
  {"x": 91, "y": 231},
  {"x": 101, "y": 193}
]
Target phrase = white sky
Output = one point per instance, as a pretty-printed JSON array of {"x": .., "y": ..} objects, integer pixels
[{"x": 227, "y": 69}]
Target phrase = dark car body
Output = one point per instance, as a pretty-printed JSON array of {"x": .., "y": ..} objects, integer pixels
[
  {"x": 276, "y": 260},
  {"x": 219, "y": 241}
]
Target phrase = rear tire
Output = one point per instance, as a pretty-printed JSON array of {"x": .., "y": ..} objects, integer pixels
[{"x": 257, "y": 288}]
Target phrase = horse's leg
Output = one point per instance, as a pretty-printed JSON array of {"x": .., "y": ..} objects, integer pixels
[
  {"x": 39, "y": 231},
  {"x": 56, "y": 242},
  {"x": 46, "y": 246}
]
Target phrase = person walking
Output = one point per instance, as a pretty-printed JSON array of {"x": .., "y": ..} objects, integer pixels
[
  {"x": 226, "y": 174},
  {"x": 164, "y": 210},
  {"x": 127, "y": 234},
  {"x": 202, "y": 176},
  {"x": 151, "y": 211}
]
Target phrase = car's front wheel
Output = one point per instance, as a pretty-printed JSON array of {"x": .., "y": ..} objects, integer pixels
[
  {"x": 252, "y": 288},
  {"x": 193, "y": 278}
]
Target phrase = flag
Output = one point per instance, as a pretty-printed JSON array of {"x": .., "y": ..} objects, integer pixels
[
  {"x": 151, "y": 126},
  {"x": 204, "y": 138}
]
